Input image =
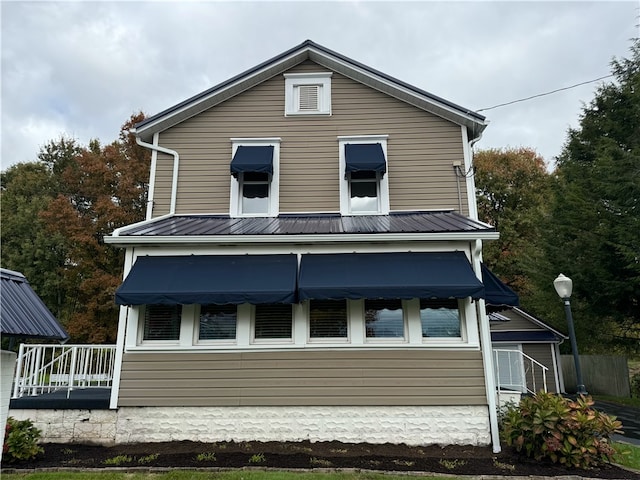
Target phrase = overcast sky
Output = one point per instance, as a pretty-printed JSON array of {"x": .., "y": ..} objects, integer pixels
[{"x": 82, "y": 68}]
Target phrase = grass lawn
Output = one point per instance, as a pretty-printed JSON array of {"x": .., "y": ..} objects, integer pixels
[
  {"x": 628, "y": 401},
  {"x": 189, "y": 475},
  {"x": 627, "y": 455}
]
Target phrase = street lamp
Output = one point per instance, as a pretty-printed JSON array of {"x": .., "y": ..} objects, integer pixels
[{"x": 564, "y": 287}]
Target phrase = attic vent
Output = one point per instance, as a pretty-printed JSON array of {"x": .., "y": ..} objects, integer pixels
[
  {"x": 307, "y": 93},
  {"x": 308, "y": 97}
]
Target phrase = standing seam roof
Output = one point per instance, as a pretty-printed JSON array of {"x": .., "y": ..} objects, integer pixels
[{"x": 23, "y": 313}]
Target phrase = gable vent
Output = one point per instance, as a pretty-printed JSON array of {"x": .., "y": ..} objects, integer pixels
[{"x": 309, "y": 97}]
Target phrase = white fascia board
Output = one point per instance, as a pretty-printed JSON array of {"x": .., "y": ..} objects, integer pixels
[{"x": 258, "y": 239}]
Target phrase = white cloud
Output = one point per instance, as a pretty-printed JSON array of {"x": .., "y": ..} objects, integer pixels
[{"x": 82, "y": 68}]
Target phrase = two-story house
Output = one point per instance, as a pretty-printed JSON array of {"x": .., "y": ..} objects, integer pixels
[{"x": 310, "y": 265}]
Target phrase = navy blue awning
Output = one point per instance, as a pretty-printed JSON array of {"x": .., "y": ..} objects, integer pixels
[
  {"x": 23, "y": 313},
  {"x": 364, "y": 157},
  {"x": 205, "y": 279},
  {"x": 387, "y": 276},
  {"x": 542, "y": 336},
  {"x": 496, "y": 292},
  {"x": 253, "y": 158}
]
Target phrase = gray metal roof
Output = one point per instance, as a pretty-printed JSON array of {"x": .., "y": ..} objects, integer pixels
[
  {"x": 23, "y": 313},
  {"x": 308, "y": 224}
]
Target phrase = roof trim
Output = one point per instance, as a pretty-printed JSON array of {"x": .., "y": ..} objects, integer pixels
[
  {"x": 348, "y": 67},
  {"x": 24, "y": 314},
  {"x": 314, "y": 238}
]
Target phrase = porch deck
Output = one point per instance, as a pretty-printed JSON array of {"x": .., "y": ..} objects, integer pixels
[{"x": 76, "y": 399}]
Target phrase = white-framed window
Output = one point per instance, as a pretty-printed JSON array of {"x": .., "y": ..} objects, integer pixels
[
  {"x": 384, "y": 320},
  {"x": 273, "y": 323},
  {"x": 328, "y": 321},
  {"x": 161, "y": 323},
  {"x": 217, "y": 323},
  {"x": 256, "y": 193},
  {"x": 307, "y": 93},
  {"x": 440, "y": 319},
  {"x": 363, "y": 192}
]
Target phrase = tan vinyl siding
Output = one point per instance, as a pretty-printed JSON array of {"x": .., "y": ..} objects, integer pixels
[
  {"x": 288, "y": 378},
  {"x": 516, "y": 322},
  {"x": 421, "y": 149},
  {"x": 541, "y": 352}
]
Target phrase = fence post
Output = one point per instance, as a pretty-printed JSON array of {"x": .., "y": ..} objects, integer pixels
[{"x": 16, "y": 383}]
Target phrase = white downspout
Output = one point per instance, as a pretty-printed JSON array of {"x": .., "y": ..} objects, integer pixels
[
  {"x": 487, "y": 354},
  {"x": 176, "y": 164}
]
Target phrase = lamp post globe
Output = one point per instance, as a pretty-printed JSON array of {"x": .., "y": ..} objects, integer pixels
[{"x": 564, "y": 288}]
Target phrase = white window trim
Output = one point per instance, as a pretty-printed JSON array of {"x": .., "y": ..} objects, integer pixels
[
  {"x": 293, "y": 80},
  {"x": 383, "y": 185},
  {"x": 301, "y": 339},
  {"x": 235, "y": 203}
]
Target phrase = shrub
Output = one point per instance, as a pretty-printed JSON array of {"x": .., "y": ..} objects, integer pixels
[
  {"x": 20, "y": 440},
  {"x": 566, "y": 431}
]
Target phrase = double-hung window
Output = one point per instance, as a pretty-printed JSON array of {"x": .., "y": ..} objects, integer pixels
[
  {"x": 328, "y": 320},
  {"x": 218, "y": 322},
  {"x": 162, "y": 322},
  {"x": 255, "y": 170},
  {"x": 364, "y": 186},
  {"x": 273, "y": 322},
  {"x": 440, "y": 319},
  {"x": 384, "y": 319}
]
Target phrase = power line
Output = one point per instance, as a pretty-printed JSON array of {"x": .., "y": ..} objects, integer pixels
[{"x": 543, "y": 94}]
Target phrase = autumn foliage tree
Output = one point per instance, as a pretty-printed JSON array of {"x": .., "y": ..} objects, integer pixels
[
  {"x": 512, "y": 192},
  {"x": 91, "y": 191}
]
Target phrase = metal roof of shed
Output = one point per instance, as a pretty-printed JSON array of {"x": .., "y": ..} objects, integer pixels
[
  {"x": 305, "y": 224},
  {"x": 23, "y": 313}
]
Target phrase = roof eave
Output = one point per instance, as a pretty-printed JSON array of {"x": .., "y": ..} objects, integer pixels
[{"x": 127, "y": 240}]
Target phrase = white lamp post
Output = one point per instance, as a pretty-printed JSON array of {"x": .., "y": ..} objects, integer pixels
[{"x": 564, "y": 287}]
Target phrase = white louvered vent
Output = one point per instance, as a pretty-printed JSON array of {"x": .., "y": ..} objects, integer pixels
[{"x": 308, "y": 98}]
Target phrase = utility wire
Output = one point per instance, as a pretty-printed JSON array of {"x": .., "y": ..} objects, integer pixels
[{"x": 543, "y": 94}]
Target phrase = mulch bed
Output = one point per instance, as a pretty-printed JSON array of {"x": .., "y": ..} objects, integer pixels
[{"x": 451, "y": 460}]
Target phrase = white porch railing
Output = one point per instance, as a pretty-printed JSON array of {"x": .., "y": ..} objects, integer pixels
[
  {"x": 49, "y": 368},
  {"x": 517, "y": 371}
]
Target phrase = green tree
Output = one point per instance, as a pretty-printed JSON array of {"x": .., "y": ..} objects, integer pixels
[
  {"x": 594, "y": 231},
  {"x": 512, "y": 187}
]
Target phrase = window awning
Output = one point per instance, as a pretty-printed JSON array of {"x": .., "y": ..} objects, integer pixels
[
  {"x": 204, "y": 279},
  {"x": 387, "y": 276},
  {"x": 524, "y": 337},
  {"x": 496, "y": 292},
  {"x": 253, "y": 158},
  {"x": 364, "y": 157}
]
